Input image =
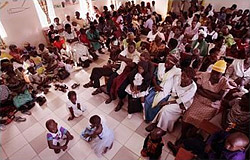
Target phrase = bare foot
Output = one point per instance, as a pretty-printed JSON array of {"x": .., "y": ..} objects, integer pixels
[{"x": 70, "y": 118}]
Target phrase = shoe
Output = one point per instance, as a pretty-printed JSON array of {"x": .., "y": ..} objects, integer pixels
[
  {"x": 150, "y": 127},
  {"x": 172, "y": 148},
  {"x": 119, "y": 106},
  {"x": 129, "y": 116},
  {"x": 108, "y": 101},
  {"x": 42, "y": 101},
  {"x": 87, "y": 85},
  {"x": 97, "y": 91}
]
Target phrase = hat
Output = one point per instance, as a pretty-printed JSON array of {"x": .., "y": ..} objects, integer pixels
[{"x": 220, "y": 66}]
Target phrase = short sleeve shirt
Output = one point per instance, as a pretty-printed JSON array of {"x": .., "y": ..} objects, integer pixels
[{"x": 56, "y": 136}]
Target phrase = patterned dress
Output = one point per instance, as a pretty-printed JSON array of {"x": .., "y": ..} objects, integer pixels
[{"x": 202, "y": 107}]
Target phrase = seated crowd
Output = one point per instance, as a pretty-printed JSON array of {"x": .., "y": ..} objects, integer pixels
[{"x": 192, "y": 66}]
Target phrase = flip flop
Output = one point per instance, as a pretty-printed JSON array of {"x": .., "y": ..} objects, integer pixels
[
  {"x": 19, "y": 119},
  {"x": 26, "y": 112},
  {"x": 75, "y": 85}
]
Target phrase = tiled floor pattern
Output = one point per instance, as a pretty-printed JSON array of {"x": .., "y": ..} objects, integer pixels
[{"x": 27, "y": 140}]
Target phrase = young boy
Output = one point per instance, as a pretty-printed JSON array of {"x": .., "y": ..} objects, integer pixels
[
  {"x": 75, "y": 108},
  {"x": 56, "y": 135},
  {"x": 153, "y": 144}
]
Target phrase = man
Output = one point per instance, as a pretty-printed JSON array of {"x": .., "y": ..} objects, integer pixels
[
  {"x": 129, "y": 57},
  {"x": 79, "y": 20}
]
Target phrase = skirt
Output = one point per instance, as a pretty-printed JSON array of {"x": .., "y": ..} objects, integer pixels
[
  {"x": 134, "y": 105},
  {"x": 200, "y": 110}
]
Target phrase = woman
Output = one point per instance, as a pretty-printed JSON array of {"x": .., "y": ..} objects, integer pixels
[
  {"x": 157, "y": 49},
  {"x": 239, "y": 68},
  {"x": 94, "y": 37},
  {"x": 140, "y": 80},
  {"x": 163, "y": 82},
  {"x": 211, "y": 88},
  {"x": 181, "y": 99}
]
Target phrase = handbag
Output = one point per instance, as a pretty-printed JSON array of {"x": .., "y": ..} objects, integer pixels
[{"x": 63, "y": 74}]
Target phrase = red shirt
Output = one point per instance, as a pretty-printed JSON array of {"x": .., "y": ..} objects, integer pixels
[
  {"x": 83, "y": 38},
  {"x": 59, "y": 44}
]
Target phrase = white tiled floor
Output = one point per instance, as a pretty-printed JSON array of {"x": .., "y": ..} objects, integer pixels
[{"x": 27, "y": 140}]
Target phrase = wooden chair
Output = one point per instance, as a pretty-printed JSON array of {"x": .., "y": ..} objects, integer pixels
[
  {"x": 184, "y": 155},
  {"x": 205, "y": 126}
]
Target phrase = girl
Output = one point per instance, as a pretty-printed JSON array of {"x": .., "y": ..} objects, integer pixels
[
  {"x": 103, "y": 136},
  {"x": 140, "y": 80},
  {"x": 75, "y": 108}
]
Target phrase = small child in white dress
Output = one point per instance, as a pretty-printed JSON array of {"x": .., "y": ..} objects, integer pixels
[
  {"x": 102, "y": 138},
  {"x": 76, "y": 109}
]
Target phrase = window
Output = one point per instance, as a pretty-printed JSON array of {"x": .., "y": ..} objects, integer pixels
[
  {"x": 2, "y": 31},
  {"x": 41, "y": 14}
]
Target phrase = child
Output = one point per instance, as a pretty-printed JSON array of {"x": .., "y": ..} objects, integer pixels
[
  {"x": 75, "y": 108},
  {"x": 56, "y": 135},
  {"x": 38, "y": 81},
  {"x": 42, "y": 49},
  {"x": 153, "y": 144},
  {"x": 103, "y": 136}
]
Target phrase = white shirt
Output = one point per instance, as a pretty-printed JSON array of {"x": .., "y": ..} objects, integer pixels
[
  {"x": 134, "y": 56},
  {"x": 66, "y": 22},
  {"x": 119, "y": 20},
  {"x": 152, "y": 36},
  {"x": 149, "y": 23},
  {"x": 72, "y": 35}
]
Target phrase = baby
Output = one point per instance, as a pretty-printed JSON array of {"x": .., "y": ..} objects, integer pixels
[{"x": 56, "y": 135}]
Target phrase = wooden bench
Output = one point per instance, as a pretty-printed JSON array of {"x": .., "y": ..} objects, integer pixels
[{"x": 205, "y": 126}]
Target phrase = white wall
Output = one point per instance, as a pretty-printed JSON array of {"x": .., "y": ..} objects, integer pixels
[
  {"x": 22, "y": 26},
  {"x": 217, "y": 4},
  {"x": 67, "y": 10}
]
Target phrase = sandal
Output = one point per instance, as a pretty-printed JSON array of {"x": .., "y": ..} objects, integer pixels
[
  {"x": 87, "y": 85},
  {"x": 57, "y": 86},
  {"x": 19, "y": 119},
  {"x": 26, "y": 112},
  {"x": 75, "y": 85},
  {"x": 63, "y": 90}
]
